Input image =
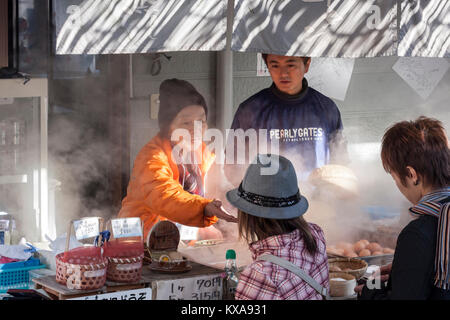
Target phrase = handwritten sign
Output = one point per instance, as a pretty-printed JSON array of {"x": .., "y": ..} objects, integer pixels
[
  {"x": 6, "y": 100},
  {"x": 138, "y": 294},
  {"x": 331, "y": 76},
  {"x": 197, "y": 288},
  {"x": 4, "y": 225},
  {"x": 128, "y": 227},
  {"x": 421, "y": 74},
  {"x": 86, "y": 228},
  {"x": 261, "y": 67},
  {"x": 188, "y": 233}
]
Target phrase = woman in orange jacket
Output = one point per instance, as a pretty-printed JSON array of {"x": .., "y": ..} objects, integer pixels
[{"x": 167, "y": 181}]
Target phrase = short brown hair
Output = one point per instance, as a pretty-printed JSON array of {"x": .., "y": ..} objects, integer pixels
[
  {"x": 421, "y": 144},
  {"x": 264, "y": 55},
  {"x": 253, "y": 228}
]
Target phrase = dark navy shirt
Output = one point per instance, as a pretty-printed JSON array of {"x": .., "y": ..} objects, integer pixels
[{"x": 303, "y": 124}]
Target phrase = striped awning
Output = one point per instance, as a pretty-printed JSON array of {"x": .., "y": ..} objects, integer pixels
[
  {"x": 343, "y": 28},
  {"x": 139, "y": 26},
  {"x": 317, "y": 28}
]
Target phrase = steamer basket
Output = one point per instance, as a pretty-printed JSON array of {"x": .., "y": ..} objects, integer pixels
[
  {"x": 125, "y": 259},
  {"x": 125, "y": 269},
  {"x": 84, "y": 269},
  {"x": 83, "y": 273}
]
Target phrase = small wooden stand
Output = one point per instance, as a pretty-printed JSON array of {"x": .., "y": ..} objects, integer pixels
[
  {"x": 57, "y": 291},
  {"x": 149, "y": 279}
]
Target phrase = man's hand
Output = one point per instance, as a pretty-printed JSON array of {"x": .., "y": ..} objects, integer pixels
[
  {"x": 215, "y": 208},
  {"x": 383, "y": 273}
]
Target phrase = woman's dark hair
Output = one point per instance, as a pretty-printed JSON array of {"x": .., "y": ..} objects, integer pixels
[
  {"x": 252, "y": 228},
  {"x": 421, "y": 144},
  {"x": 174, "y": 95}
]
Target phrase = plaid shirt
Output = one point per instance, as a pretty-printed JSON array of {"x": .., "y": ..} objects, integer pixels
[{"x": 263, "y": 280}]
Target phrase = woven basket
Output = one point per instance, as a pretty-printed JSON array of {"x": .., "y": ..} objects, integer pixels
[
  {"x": 81, "y": 273},
  {"x": 125, "y": 269},
  {"x": 79, "y": 270},
  {"x": 125, "y": 254},
  {"x": 357, "y": 267}
]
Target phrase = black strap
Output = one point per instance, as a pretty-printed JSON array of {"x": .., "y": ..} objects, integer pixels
[{"x": 270, "y": 202}]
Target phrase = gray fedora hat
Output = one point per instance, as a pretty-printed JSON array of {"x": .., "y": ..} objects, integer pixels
[{"x": 272, "y": 196}]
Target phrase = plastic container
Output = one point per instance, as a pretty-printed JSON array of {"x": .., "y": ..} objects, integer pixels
[
  {"x": 5, "y": 228},
  {"x": 342, "y": 284},
  {"x": 16, "y": 275},
  {"x": 32, "y": 262},
  {"x": 231, "y": 279}
]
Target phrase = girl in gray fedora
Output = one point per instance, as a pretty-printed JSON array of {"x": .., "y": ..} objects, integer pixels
[{"x": 289, "y": 254}]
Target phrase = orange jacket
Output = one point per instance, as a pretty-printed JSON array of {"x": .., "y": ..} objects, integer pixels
[{"x": 155, "y": 194}]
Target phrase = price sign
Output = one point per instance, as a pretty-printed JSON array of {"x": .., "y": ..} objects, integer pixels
[
  {"x": 197, "y": 288},
  {"x": 261, "y": 67},
  {"x": 4, "y": 225},
  {"x": 86, "y": 228},
  {"x": 188, "y": 233},
  {"x": 138, "y": 294},
  {"x": 128, "y": 227}
]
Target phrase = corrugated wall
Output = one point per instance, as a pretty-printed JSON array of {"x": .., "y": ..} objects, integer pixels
[{"x": 3, "y": 33}]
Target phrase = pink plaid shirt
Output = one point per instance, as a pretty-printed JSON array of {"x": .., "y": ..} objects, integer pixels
[{"x": 263, "y": 280}]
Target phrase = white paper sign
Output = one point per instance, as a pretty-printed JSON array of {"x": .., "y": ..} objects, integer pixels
[
  {"x": 197, "y": 288},
  {"x": 261, "y": 67},
  {"x": 330, "y": 76},
  {"x": 138, "y": 294},
  {"x": 188, "y": 233},
  {"x": 6, "y": 100},
  {"x": 128, "y": 227},
  {"x": 4, "y": 225},
  {"x": 86, "y": 228},
  {"x": 421, "y": 74}
]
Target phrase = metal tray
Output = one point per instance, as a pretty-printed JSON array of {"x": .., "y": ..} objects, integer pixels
[{"x": 380, "y": 260}]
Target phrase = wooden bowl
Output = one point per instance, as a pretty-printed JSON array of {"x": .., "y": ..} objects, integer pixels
[
  {"x": 357, "y": 267},
  {"x": 342, "y": 288}
]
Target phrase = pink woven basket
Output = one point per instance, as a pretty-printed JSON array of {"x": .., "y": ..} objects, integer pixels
[
  {"x": 82, "y": 268},
  {"x": 125, "y": 256},
  {"x": 81, "y": 272},
  {"x": 125, "y": 269}
]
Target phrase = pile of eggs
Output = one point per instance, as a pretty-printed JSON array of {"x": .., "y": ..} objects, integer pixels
[{"x": 361, "y": 248}]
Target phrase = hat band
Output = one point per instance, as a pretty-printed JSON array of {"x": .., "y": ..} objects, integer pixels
[{"x": 269, "y": 202}]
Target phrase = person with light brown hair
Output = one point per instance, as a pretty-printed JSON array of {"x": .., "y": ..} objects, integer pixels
[
  {"x": 290, "y": 261},
  {"x": 416, "y": 154}
]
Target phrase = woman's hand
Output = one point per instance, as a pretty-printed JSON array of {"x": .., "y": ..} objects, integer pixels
[{"x": 215, "y": 208}]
